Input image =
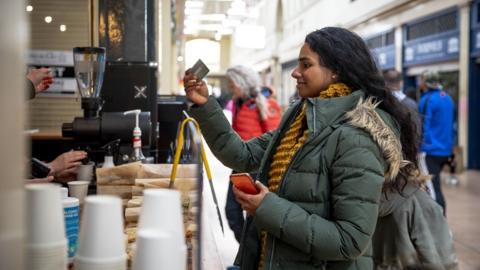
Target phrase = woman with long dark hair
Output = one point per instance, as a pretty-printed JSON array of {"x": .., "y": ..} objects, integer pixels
[{"x": 321, "y": 173}]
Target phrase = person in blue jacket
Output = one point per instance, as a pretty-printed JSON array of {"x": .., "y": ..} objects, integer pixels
[{"x": 437, "y": 109}]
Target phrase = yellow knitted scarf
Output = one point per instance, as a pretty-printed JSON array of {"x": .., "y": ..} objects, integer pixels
[{"x": 294, "y": 138}]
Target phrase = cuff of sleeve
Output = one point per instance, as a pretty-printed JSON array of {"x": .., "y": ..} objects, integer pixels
[
  {"x": 200, "y": 112},
  {"x": 270, "y": 214}
]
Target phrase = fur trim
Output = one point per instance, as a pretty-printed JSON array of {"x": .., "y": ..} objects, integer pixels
[{"x": 365, "y": 117}]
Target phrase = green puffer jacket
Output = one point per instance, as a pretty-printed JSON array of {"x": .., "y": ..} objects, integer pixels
[
  {"x": 412, "y": 233},
  {"x": 325, "y": 212}
]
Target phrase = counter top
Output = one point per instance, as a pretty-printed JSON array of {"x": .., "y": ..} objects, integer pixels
[{"x": 48, "y": 134}]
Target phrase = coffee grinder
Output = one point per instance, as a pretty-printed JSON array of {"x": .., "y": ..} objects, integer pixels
[{"x": 97, "y": 128}]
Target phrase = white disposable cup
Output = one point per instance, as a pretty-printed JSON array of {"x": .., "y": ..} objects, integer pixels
[
  {"x": 85, "y": 264},
  {"x": 161, "y": 210},
  {"x": 64, "y": 192},
  {"x": 78, "y": 189},
  {"x": 45, "y": 222},
  {"x": 85, "y": 172},
  {"x": 46, "y": 258},
  {"x": 157, "y": 250},
  {"x": 101, "y": 237}
]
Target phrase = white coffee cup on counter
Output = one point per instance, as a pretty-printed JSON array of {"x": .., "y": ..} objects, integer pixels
[
  {"x": 155, "y": 251},
  {"x": 167, "y": 202},
  {"x": 85, "y": 171},
  {"x": 170, "y": 222},
  {"x": 78, "y": 189},
  {"x": 101, "y": 242}
]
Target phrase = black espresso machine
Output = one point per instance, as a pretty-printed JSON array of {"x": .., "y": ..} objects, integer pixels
[{"x": 108, "y": 89}]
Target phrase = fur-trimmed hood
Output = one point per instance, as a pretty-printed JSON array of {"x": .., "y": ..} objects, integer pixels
[{"x": 367, "y": 117}]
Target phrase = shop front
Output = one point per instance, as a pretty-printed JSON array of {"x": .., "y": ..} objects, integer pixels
[
  {"x": 432, "y": 43},
  {"x": 382, "y": 47}
]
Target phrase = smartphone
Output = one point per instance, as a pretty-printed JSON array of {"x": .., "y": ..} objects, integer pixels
[
  {"x": 39, "y": 169},
  {"x": 199, "y": 69},
  {"x": 244, "y": 182}
]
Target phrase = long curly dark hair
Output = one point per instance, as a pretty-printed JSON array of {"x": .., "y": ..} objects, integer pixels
[{"x": 347, "y": 55}]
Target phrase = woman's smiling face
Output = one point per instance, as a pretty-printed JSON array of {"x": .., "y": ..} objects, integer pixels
[{"x": 312, "y": 78}]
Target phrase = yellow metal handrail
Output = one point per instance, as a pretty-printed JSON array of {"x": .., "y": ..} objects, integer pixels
[{"x": 176, "y": 161}]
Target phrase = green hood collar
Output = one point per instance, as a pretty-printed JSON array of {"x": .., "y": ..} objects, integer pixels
[
  {"x": 323, "y": 112},
  {"x": 362, "y": 113}
]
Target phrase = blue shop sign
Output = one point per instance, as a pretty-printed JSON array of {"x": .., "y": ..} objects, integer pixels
[
  {"x": 431, "y": 49},
  {"x": 385, "y": 56},
  {"x": 475, "y": 39}
]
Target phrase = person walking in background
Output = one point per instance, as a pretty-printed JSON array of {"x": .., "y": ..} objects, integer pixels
[
  {"x": 253, "y": 113},
  {"x": 321, "y": 173},
  {"x": 437, "y": 110},
  {"x": 394, "y": 82}
]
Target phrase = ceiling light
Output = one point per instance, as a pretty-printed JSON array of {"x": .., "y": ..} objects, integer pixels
[
  {"x": 237, "y": 12},
  {"x": 193, "y": 4},
  {"x": 226, "y": 31},
  {"x": 48, "y": 19},
  {"x": 238, "y": 4},
  {"x": 190, "y": 31},
  {"x": 231, "y": 23},
  {"x": 208, "y": 17},
  {"x": 189, "y": 22},
  {"x": 180, "y": 58},
  {"x": 63, "y": 28},
  {"x": 193, "y": 11},
  {"x": 208, "y": 27},
  {"x": 29, "y": 8}
]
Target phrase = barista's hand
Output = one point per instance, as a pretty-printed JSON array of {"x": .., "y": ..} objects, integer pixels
[
  {"x": 196, "y": 90},
  {"x": 250, "y": 202},
  {"x": 41, "y": 78},
  {"x": 67, "y": 163}
]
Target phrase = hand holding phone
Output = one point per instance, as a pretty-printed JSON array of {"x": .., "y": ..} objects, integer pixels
[
  {"x": 199, "y": 69},
  {"x": 244, "y": 182}
]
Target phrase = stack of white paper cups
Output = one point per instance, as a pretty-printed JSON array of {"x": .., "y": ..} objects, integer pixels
[
  {"x": 46, "y": 243},
  {"x": 161, "y": 226},
  {"x": 154, "y": 251},
  {"x": 101, "y": 243}
]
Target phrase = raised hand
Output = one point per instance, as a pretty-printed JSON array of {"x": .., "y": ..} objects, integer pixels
[
  {"x": 196, "y": 90},
  {"x": 41, "y": 78}
]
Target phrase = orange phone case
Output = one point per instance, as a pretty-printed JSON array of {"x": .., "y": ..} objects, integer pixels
[{"x": 244, "y": 182}]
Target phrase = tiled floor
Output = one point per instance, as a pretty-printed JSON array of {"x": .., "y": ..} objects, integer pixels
[{"x": 463, "y": 214}]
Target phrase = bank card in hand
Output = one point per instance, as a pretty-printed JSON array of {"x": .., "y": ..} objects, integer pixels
[{"x": 200, "y": 70}]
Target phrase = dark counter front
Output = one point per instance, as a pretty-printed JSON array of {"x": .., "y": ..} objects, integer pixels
[{"x": 46, "y": 145}]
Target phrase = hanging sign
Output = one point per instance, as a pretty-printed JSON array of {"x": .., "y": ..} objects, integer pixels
[
  {"x": 61, "y": 65},
  {"x": 385, "y": 57},
  {"x": 475, "y": 41}
]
